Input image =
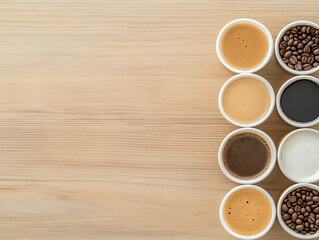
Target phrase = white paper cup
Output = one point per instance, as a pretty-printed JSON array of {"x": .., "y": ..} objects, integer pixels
[
  {"x": 281, "y": 166},
  {"x": 281, "y": 112},
  {"x": 281, "y": 221},
  {"x": 258, "y": 235},
  {"x": 260, "y": 26},
  {"x": 278, "y": 39},
  {"x": 258, "y": 178},
  {"x": 263, "y": 81}
]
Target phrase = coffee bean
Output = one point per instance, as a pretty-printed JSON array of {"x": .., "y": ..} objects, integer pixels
[
  {"x": 310, "y": 60},
  {"x": 294, "y": 217},
  {"x": 303, "y": 29},
  {"x": 307, "y": 49},
  {"x": 288, "y": 221},
  {"x": 297, "y": 209},
  {"x": 282, "y": 52},
  {"x": 300, "y": 46},
  {"x": 286, "y": 38},
  {"x": 304, "y": 41},
  {"x": 298, "y": 221},
  {"x": 316, "y": 52},
  {"x": 307, "y": 224},
  {"x": 298, "y": 66},
  {"x": 284, "y": 208},
  {"x": 304, "y": 59},
  {"x": 295, "y": 43},
  {"x": 317, "y": 222},
  {"x": 287, "y": 54},
  {"x": 311, "y": 219},
  {"x": 303, "y": 210},
  {"x": 317, "y": 59},
  {"x": 306, "y": 214},
  {"x": 307, "y": 67},
  {"x": 293, "y": 60},
  {"x": 292, "y": 67},
  {"x": 310, "y": 43},
  {"x": 285, "y": 217},
  {"x": 301, "y": 217},
  {"x": 299, "y": 227},
  {"x": 316, "y": 210},
  {"x": 315, "y": 64},
  {"x": 290, "y": 211},
  {"x": 290, "y": 42},
  {"x": 308, "y": 209},
  {"x": 295, "y": 53},
  {"x": 308, "y": 198}
]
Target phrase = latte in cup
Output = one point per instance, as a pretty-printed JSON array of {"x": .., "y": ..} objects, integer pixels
[{"x": 246, "y": 100}]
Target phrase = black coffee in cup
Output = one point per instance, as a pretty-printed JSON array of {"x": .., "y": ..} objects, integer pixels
[
  {"x": 246, "y": 155},
  {"x": 300, "y": 101}
]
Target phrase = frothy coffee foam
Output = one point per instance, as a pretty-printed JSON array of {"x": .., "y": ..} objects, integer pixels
[
  {"x": 299, "y": 156},
  {"x": 247, "y": 212}
]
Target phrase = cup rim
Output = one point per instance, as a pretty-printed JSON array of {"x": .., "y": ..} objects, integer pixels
[
  {"x": 279, "y": 36},
  {"x": 258, "y": 235},
  {"x": 283, "y": 141},
  {"x": 279, "y": 217},
  {"x": 257, "y": 77},
  {"x": 256, "y": 23},
  {"x": 265, "y": 174},
  {"x": 278, "y": 105}
]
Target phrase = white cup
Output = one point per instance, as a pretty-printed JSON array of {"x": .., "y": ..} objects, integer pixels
[
  {"x": 257, "y": 77},
  {"x": 278, "y": 105},
  {"x": 266, "y": 172},
  {"x": 258, "y": 235},
  {"x": 260, "y": 26},
  {"x": 280, "y": 163},
  {"x": 278, "y": 39},
  {"x": 281, "y": 221}
]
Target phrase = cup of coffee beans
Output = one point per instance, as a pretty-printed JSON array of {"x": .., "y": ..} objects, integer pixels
[
  {"x": 297, "y": 47},
  {"x": 298, "y": 210}
]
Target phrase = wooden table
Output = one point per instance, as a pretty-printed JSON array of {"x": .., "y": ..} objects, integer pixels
[{"x": 109, "y": 119}]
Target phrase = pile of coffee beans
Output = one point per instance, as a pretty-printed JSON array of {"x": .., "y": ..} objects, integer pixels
[
  {"x": 300, "y": 210},
  {"x": 299, "y": 48}
]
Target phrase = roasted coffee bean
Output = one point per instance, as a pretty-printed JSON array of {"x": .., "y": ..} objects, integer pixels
[
  {"x": 297, "y": 209},
  {"x": 310, "y": 202},
  {"x": 311, "y": 219},
  {"x": 317, "y": 222},
  {"x": 298, "y": 66},
  {"x": 304, "y": 59},
  {"x": 290, "y": 211},
  {"x": 310, "y": 60},
  {"x": 294, "y": 217},
  {"x": 290, "y": 42},
  {"x": 303, "y": 210},
  {"x": 284, "y": 208},
  {"x": 288, "y": 221},
  {"x": 308, "y": 199},
  {"x": 298, "y": 221},
  {"x": 287, "y": 54},
  {"x": 285, "y": 217},
  {"x": 316, "y": 210},
  {"x": 293, "y": 60},
  {"x": 299, "y": 227},
  {"x": 307, "y": 224},
  {"x": 300, "y": 44},
  {"x": 308, "y": 209},
  {"x": 307, "y": 67}
]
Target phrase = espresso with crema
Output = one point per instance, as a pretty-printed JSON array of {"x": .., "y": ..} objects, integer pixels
[
  {"x": 246, "y": 100},
  {"x": 246, "y": 155},
  {"x": 247, "y": 212},
  {"x": 244, "y": 46}
]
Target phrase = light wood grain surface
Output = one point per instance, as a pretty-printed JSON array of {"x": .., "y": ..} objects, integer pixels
[{"x": 109, "y": 119}]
